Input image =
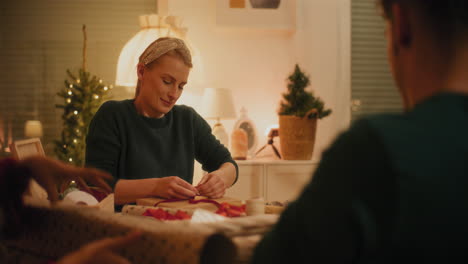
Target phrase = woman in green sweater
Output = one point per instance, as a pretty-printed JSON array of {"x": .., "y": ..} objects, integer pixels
[{"x": 149, "y": 144}]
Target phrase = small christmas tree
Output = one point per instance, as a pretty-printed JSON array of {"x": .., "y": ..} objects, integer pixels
[
  {"x": 82, "y": 96},
  {"x": 297, "y": 101}
]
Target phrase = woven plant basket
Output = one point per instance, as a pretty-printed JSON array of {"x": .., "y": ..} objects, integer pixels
[{"x": 297, "y": 136}]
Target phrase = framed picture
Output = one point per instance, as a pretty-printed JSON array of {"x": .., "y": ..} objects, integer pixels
[
  {"x": 28, "y": 147},
  {"x": 256, "y": 14}
]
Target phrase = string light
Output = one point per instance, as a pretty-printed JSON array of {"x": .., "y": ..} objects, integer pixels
[
  {"x": 105, "y": 88},
  {"x": 70, "y": 92},
  {"x": 100, "y": 81},
  {"x": 96, "y": 96},
  {"x": 75, "y": 112},
  {"x": 74, "y": 140},
  {"x": 68, "y": 100},
  {"x": 64, "y": 146},
  {"x": 71, "y": 85},
  {"x": 70, "y": 159},
  {"x": 78, "y": 81}
]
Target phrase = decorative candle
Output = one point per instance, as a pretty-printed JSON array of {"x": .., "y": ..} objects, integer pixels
[
  {"x": 239, "y": 144},
  {"x": 33, "y": 128}
]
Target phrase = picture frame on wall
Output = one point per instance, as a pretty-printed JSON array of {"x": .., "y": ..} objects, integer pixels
[{"x": 256, "y": 14}]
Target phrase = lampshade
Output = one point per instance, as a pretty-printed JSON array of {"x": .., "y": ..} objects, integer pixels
[
  {"x": 152, "y": 27},
  {"x": 218, "y": 104},
  {"x": 33, "y": 129}
]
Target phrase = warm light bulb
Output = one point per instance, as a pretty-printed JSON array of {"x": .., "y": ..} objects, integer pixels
[
  {"x": 74, "y": 140},
  {"x": 78, "y": 81},
  {"x": 68, "y": 100},
  {"x": 70, "y": 93},
  {"x": 105, "y": 88},
  {"x": 71, "y": 85},
  {"x": 96, "y": 96},
  {"x": 70, "y": 159},
  {"x": 75, "y": 112},
  {"x": 100, "y": 81}
]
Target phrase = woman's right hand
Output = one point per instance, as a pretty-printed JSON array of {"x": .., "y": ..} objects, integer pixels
[{"x": 174, "y": 187}]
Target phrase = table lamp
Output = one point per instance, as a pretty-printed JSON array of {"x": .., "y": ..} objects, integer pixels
[{"x": 218, "y": 104}]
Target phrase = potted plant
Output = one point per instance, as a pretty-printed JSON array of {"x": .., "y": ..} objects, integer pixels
[{"x": 298, "y": 115}]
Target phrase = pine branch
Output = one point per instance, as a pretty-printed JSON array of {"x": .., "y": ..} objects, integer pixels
[{"x": 297, "y": 101}]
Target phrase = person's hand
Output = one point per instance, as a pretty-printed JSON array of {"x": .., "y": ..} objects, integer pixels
[
  {"x": 174, "y": 187},
  {"x": 101, "y": 251},
  {"x": 50, "y": 173},
  {"x": 212, "y": 185}
]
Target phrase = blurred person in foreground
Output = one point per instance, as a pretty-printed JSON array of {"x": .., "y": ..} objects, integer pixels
[
  {"x": 392, "y": 188},
  {"x": 49, "y": 173}
]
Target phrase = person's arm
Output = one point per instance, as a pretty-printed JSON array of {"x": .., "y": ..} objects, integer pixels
[
  {"x": 103, "y": 144},
  {"x": 215, "y": 158},
  {"x": 324, "y": 224},
  {"x": 127, "y": 191},
  {"x": 49, "y": 173},
  {"x": 106, "y": 250}
]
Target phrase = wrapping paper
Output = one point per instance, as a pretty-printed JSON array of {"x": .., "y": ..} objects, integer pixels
[
  {"x": 244, "y": 232},
  {"x": 58, "y": 231}
]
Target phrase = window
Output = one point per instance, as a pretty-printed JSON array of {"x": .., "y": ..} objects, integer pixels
[
  {"x": 40, "y": 40},
  {"x": 372, "y": 87}
]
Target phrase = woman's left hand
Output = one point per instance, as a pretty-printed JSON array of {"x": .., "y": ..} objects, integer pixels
[{"x": 212, "y": 185}]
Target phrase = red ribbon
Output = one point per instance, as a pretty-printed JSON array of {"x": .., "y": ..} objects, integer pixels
[
  {"x": 193, "y": 201},
  {"x": 224, "y": 208},
  {"x": 169, "y": 201}
]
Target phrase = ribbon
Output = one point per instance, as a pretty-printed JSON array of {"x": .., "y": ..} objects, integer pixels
[
  {"x": 193, "y": 201},
  {"x": 224, "y": 208},
  {"x": 170, "y": 201}
]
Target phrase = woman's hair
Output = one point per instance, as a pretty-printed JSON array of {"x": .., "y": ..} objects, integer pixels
[
  {"x": 164, "y": 46},
  {"x": 448, "y": 19}
]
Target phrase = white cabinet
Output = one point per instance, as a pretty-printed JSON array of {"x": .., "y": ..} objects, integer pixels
[{"x": 272, "y": 180}]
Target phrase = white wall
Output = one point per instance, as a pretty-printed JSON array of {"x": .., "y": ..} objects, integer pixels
[
  {"x": 255, "y": 63},
  {"x": 323, "y": 48}
]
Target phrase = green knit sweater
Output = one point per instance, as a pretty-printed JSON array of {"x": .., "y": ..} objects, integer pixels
[
  {"x": 132, "y": 146},
  {"x": 391, "y": 189}
]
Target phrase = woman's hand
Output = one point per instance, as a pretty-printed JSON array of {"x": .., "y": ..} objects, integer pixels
[
  {"x": 174, "y": 187},
  {"x": 101, "y": 251},
  {"x": 50, "y": 173},
  {"x": 215, "y": 183},
  {"x": 212, "y": 185}
]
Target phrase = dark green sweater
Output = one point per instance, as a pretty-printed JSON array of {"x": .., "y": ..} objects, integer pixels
[
  {"x": 392, "y": 189},
  {"x": 131, "y": 146}
]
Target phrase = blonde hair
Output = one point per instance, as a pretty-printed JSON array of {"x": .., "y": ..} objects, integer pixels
[{"x": 164, "y": 46}]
